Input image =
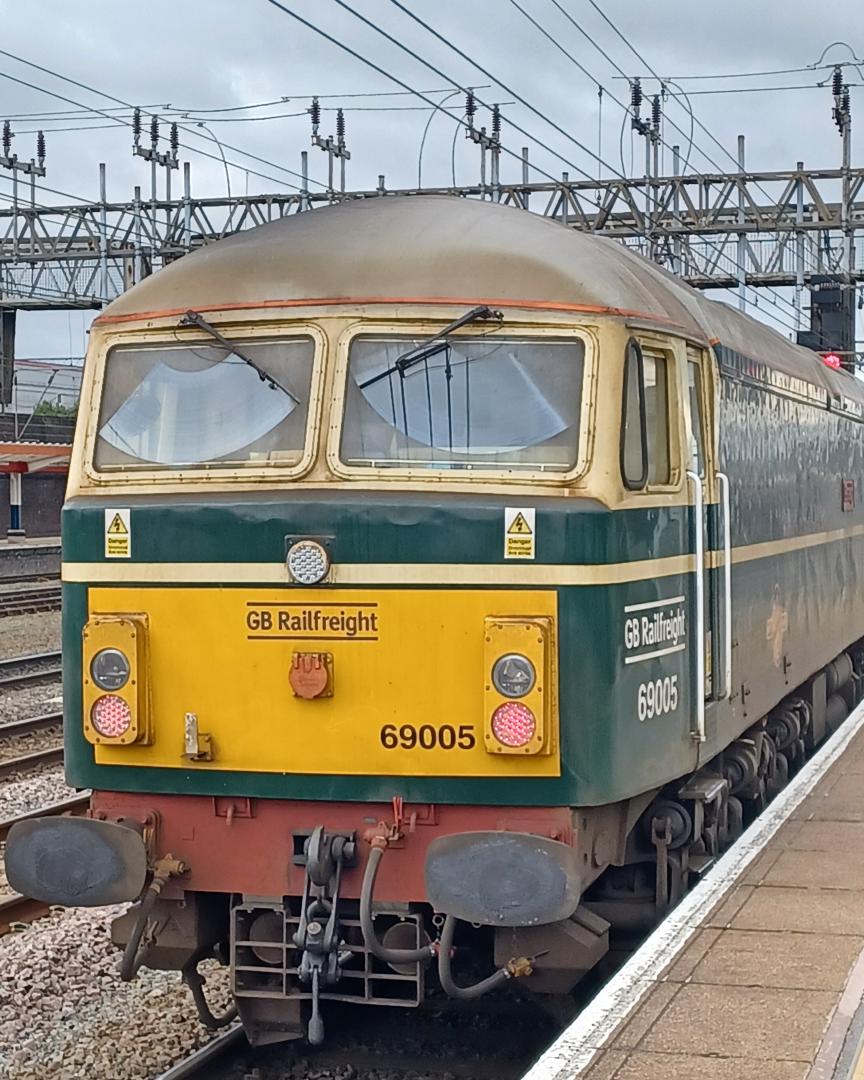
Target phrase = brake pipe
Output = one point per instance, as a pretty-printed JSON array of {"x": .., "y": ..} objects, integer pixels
[
  {"x": 133, "y": 956},
  {"x": 367, "y": 927},
  {"x": 513, "y": 969}
]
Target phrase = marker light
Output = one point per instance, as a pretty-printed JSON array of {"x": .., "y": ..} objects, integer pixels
[
  {"x": 111, "y": 716},
  {"x": 513, "y": 724},
  {"x": 832, "y": 360},
  {"x": 513, "y": 675},
  {"x": 308, "y": 562},
  {"x": 110, "y": 669}
]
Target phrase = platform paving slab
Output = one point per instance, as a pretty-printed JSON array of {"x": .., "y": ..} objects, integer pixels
[
  {"x": 753, "y": 1023},
  {"x": 782, "y": 960},
  {"x": 642, "y": 1066},
  {"x": 800, "y": 910}
]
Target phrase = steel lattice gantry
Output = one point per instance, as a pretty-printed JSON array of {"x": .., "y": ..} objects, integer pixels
[{"x": 717, "y": 230}]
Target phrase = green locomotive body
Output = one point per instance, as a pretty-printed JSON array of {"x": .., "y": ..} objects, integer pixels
[{"x": 426, "y": 533}]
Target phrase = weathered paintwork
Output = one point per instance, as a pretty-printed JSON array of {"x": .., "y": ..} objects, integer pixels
[
  {"x": 603, "y": 746},
  {"x": 787, "y": 433}
]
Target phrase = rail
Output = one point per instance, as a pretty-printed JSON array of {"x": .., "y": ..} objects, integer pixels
[
  {"x": 29, "y": 670},
  {"x": 29, "y": 601}
]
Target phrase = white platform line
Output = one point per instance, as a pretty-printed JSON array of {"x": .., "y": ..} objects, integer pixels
[
  {"x": 655, "y": 604},
  {"x": 586, "y": 1036}
]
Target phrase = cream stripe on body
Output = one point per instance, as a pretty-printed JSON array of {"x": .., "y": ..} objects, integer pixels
[{"x": 523, "y": 574}]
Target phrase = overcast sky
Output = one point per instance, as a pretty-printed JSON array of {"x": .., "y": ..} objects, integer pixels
[{"x": 213, "y": 55}]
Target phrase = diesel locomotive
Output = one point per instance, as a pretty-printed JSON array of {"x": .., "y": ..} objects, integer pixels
[{"x": 442, "y": 588}]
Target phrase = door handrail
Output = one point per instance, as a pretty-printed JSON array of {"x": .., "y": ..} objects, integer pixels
[
  {"x": 723, "y": 480},
  {"x": 698, "y": 504}
]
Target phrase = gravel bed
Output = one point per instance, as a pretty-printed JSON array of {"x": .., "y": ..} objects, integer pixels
[
  {"x": 34, "y": 789},
  {"x": 26, "y": 701},
  {"x": 30, "y": 742},
  {"x": 82, "y": 1023},
  {"x": 24, "y": 634}
]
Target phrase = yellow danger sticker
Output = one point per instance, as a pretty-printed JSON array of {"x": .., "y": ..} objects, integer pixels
[
  {"x": 519, "y": 532},
  {"x": 118, "y": 534}
]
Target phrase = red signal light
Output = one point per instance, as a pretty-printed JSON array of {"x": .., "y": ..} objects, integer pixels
[{"x": 831, "y": 359}]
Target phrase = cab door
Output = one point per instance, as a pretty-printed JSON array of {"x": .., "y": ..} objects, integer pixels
[{"x": 709, "y": 496}]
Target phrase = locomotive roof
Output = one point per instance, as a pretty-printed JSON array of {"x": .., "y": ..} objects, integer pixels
[{"x": 420, "y": 248}]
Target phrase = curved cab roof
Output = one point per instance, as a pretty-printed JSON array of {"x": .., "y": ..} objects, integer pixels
[{"x": 427, "y": 248}]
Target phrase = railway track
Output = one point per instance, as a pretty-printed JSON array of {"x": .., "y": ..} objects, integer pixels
[
  {"x": 29, "y": 670},
  {"x": 29, "y": 601},
  {"x": 200, "y": 1062},
  {"x": 52, "y": 755},
  {"x": 496, "y": 1041}
]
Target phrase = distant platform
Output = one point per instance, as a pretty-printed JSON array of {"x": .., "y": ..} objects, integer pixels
[
  {"x": 29, "y": 557},
  {"x": 34, "y": 456},
  {"x": 758, "y": 974}
]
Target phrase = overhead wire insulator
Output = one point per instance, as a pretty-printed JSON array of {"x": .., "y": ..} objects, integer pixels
[
  {"x": 847, "y": 105},
  {"x": 154, "y": 131},
  {"x": 7, "y": 138},
  {"x": 136, "y": 125},
  {"x": 40, "y": 148},
  {"x": 636, "y": 95},
  {"x": 340, "y": 127},
  {"x": 655, "y": 112},
  {"x": 175, "y": 140},
  {"x": 315, "y": 114},
  {"x": 496, "y": 123},
  {"x": 470, "y": 107},
  {"x": 837, "y": 81}
]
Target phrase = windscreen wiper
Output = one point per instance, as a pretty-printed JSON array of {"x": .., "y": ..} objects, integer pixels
[
  {"x": 433, "y": 346},
  {"x": 193, "y": 318}
]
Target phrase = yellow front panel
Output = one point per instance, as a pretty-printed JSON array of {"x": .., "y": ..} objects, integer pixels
[{"x": 406, "y": 686}]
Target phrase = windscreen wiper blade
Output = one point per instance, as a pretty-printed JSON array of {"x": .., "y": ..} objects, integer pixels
[
  {"x": 193, "y": 318},
  {"x": 433, "y": 346}
]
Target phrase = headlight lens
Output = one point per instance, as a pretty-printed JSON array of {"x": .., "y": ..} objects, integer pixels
[
  {"x": 308, "y": 562},
  {"x": 513, "y": 675},
  {"x": 110, "y": 669},
  {"x": 111, "y": 716},
  {"x": 513, "y": 724}
]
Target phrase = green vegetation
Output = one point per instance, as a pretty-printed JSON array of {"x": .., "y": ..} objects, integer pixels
[{"x": 54, "y": 408}]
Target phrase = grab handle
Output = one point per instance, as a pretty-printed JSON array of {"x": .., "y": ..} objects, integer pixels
[
  {"x": 723, "y": 480},
  {"x": 698, "y": 733}
]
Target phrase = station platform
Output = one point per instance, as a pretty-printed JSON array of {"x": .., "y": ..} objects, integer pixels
[
  {"x": 758, "y": 974},
  {"x": 29, "y": 557}
]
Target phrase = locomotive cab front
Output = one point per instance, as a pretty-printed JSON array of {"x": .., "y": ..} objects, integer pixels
[{"x": 377, "y": 608}]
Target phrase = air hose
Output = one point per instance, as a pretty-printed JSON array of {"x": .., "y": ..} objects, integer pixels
[
  {"x": 195, "y": 981},
  {"x": 370, "y": 939},
  {"x": 512, "y": 970},
  {"x": 133, "y": 956},
  {"x": 443, "y": 948}
]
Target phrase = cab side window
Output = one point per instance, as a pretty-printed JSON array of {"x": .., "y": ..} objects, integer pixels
[
  {"x": 645, "y": 418},
  {"x": 634, "y": 457},
  {"x": 694, "y": 390},
  {"x": 656, "y": 368}
]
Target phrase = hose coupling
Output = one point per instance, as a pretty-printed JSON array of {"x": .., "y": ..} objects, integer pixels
[{"x": 519, "y": 966}]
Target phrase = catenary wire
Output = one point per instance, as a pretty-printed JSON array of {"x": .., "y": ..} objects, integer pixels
[
  {"x": 348, "y": 49},
  {"x": 694, "y": 119},
  {"x": 509, "y": 90},
  {"x": 128, "y": 105}
]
